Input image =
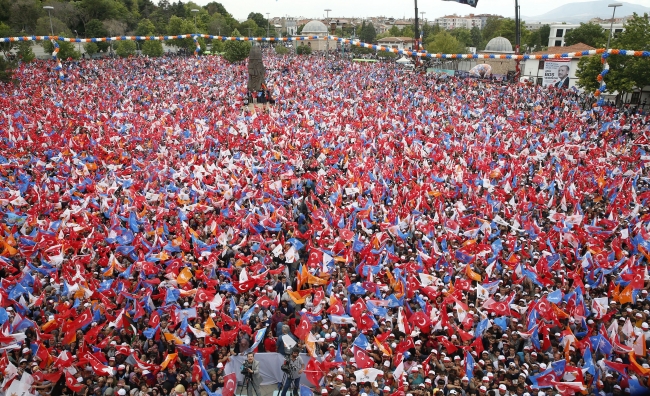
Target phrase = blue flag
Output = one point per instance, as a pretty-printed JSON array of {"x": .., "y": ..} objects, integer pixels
[
  {"x": 259, "y": 336},
  {"x": 361, "y": 341},
  {"x": 469, "y": 365},
  {"x": 172, "y": 295}
]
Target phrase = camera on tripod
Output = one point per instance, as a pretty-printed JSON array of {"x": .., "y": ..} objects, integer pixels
[
  {"x": 285, "y": 367},
  {"x": 246, "y": 369}
]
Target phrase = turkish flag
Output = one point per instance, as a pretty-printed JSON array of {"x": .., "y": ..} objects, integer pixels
[
  {"x": 265, "y": 302},
  {"x": 405, "y": 345},
  {"x": 154, "y": 319},
  {"x": 315, "y": 258},
  {"x": 568, "y": 388},
  {"x": 229, "y": 385},
  {"x": 362, "y": 359},
  {"x": 97, "y": 366},
  {"x": 71, "y": 383},
  {"x": 336, "y": 307},
  {"x": 365, "y": 322},
  {"x": 84, "y": 319},
  {"x": 52, "y": 377},
  {"x": 451, "y": 348},
  {"x": 313, "y": 372},
  {"x": 303, "y": 328},
  {"x": 421, "y": 320},
  {"x": 203, "y": 295}
]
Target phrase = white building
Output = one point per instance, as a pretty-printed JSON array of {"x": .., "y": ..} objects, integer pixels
[
  {"x": 469, "y": 21},
  {"x": 559, "y": 31},
  {"x": 399, "y": 43},
  {"x": 533, "y": 69},
  {"x": 455, "y": 21}
]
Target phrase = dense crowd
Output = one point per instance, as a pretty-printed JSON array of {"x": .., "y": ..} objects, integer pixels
[{"x": 413, "y": 234}]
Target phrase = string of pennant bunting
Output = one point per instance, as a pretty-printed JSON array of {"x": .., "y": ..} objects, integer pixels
[{"x": 604, "y": 53}]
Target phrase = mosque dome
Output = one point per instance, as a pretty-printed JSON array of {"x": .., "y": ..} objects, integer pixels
[
  {"x": 314, "y": 28},
  {"x": 498, "y": 44}
]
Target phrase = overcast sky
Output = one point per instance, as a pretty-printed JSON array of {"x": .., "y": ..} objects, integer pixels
[{"x": 390, "y": 8}]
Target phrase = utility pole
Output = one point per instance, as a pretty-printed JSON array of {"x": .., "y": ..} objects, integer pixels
[
  {"x": 327, "y": 51},
  {"x": 517, "y": 40},
  {"x": 417, "y": 32},
  {"x": 268, "y": 23}
]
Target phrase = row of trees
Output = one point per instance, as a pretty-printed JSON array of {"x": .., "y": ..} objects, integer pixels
[
  {"x": 626, "y": 73},
  {"x": 102, "y": 18}
]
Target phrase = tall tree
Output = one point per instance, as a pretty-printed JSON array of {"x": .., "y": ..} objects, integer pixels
[
  {"x": 24, "y": 14},
  {"x": 587, "y": 33},
  {"x": 444, "y": 43},
  {"x": 368, "y": 33},
  {"x": 258, "y": 18},
  {"x": 476, "y": 36},
  {"x": 214, "y": 7},
  {"x": 626, "y": 73},
  {"x": 492, "y": 26},
  {"x": 507, "y": 30},
  {"x": 463, "y": 35},
  {"x": 236, "y": 51},
  {"x": 95, "y": 28}
]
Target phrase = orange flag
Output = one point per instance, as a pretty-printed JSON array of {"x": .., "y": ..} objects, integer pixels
[
  {"x": 170, "y": 358},
  {"x": 626, "y": 295},
  {"x": 184, "y": 276},
  {"x": 471, "y": 274}
]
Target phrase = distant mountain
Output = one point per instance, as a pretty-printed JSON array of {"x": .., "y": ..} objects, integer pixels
[{"x": 583, "y": 12}]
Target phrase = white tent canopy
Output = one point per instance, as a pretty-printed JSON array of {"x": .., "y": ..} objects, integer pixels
[{"x": 403, "y": 60}]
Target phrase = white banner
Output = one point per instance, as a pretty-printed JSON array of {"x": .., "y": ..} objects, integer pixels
[
  {"x": 270, "y": 364},
  {"x": 556, "y": 73}
]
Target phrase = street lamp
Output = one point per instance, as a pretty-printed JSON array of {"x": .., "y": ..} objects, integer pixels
[
  {"x": 268, "y": 23},
  {"x": 327, "y": 48},
  {"x": 195, "y": 11},
  {"x": 611, "y": 25},
  {"x": 50, "y": 8},
  {"x": 76, "y": 36}
]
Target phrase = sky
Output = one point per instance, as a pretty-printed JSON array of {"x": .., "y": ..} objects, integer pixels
[{"x": 389, "y": 8}]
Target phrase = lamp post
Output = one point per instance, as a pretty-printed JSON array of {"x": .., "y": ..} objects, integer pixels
[
  {"x": 611, "y": 25},
  {"x": 76, "y": 36},
  {"x": 49, "y": 9},
  {"x": 327, "y": 42},
  {"x": 268, "y": 23},
  {"x": 195, "y": 11}
]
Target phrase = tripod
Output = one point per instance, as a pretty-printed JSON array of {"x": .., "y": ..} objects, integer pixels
[
  {"x": 292, "y": 385},
  {"x": 244, "y": 385}
]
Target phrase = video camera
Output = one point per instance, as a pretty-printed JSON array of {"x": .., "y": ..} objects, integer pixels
[
  {"x": 285, "y": 367},
  {"x": 246, "y": 369}
]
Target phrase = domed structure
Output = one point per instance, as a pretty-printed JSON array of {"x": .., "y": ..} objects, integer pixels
[
  {"x": 499, "y": 45},
  {"x": 314, "y": 28},
  {"x": 317, "y": 28}
]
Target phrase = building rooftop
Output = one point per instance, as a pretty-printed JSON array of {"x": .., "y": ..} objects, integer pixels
[
  {"x": 395, "y": 39},
  {"x": 561, "y": 50},
  {"x": 498, "y": 44}
]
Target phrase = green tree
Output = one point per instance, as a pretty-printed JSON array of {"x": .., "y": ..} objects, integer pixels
[
  {"x": 249, "y": 28},
  {"x": 544, "y": 34},
  {"x": 588, "y": 68},
  {"x": 218, "y": 26},
  {"x": 43, "y": 27},
  {"x": 507, "y": 30},
  {"x": 445, "y": 43},
  {"x": 6, "y": 31},
  {"x": 281, "y": 50},
  {"x": 236, "y": 51},
  {"x": 125, "y": 48},
  {"x": 24, "y": 52},
  {"x": 394, "y": 31},
  {"x": 6, "y": 70},
  {"x": 626, "y": 73},
  {"x": 95, "y": 29},
  {"x": 259, "y": 19},
  {"x": 491, "y": 29},
  {"x": 407, "y": 31},
  {"x": 178, "y": 26},
  {"x": 91, "y": 48},
  {"x": 214, "y": 7},
  {"x": 588, "y": 33},
  {"x": 24, "y": 14},
  {"x": 152, "y": 48},
  {"x": 66, "y": 49},
  {"x": 463, "y": 35},
  {"x": 145, "y": 28},
  {"x": 303, "y": 50},
  {"x": 368, "y": 33},
  {"x": 476, "y": 36}
]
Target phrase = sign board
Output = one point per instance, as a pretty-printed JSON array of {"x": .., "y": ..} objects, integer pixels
[{"x": 556, "y": 73}]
